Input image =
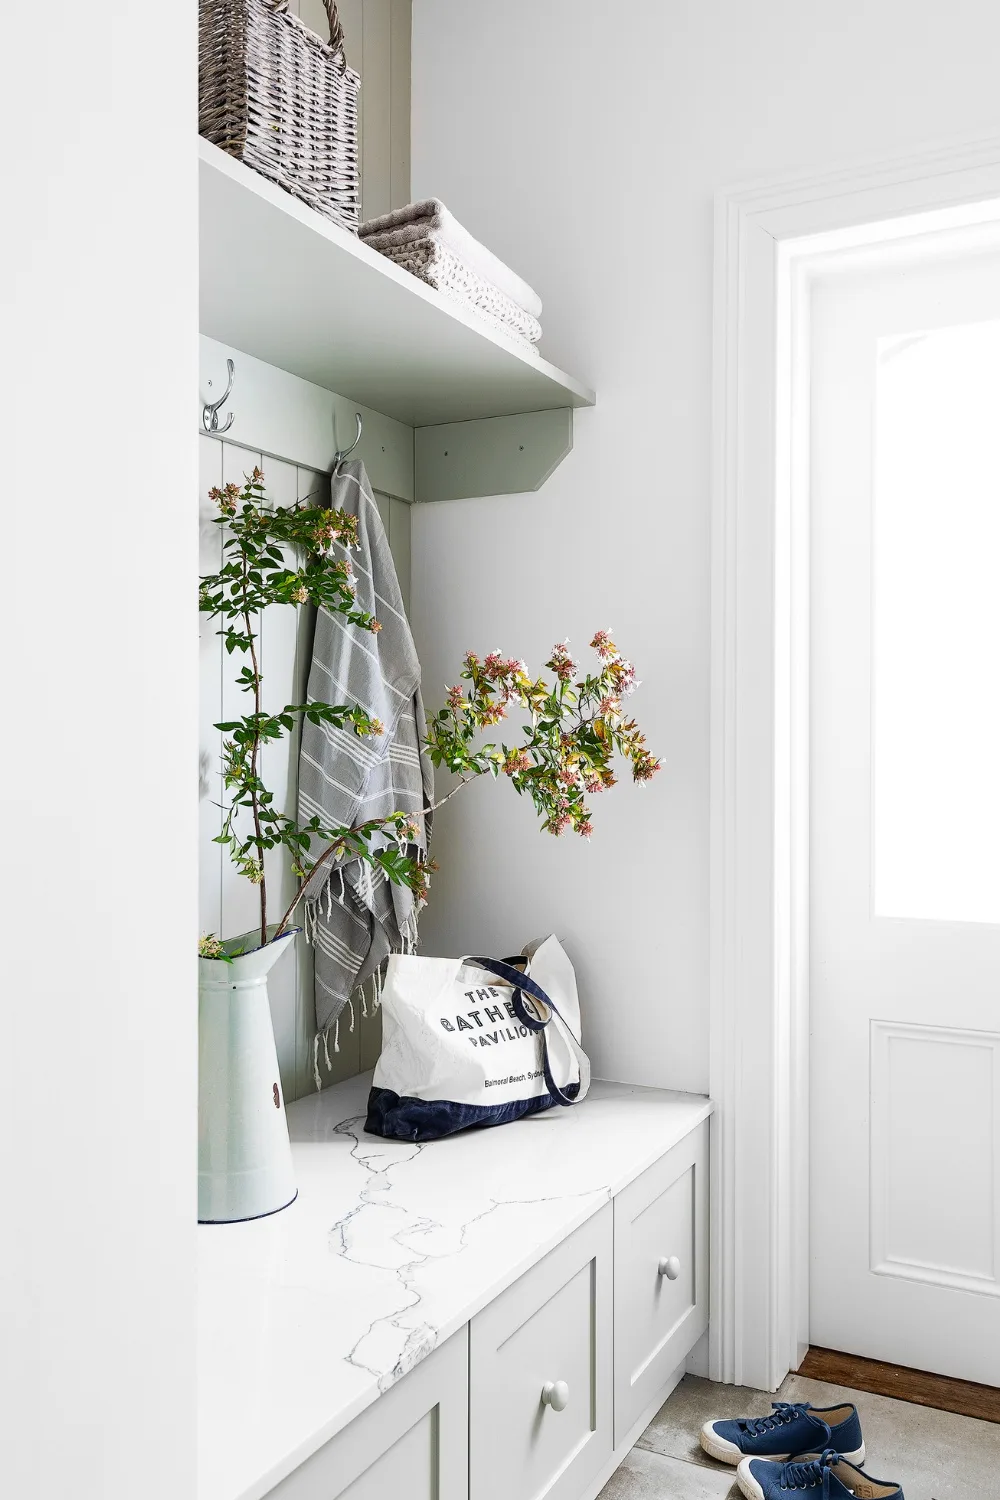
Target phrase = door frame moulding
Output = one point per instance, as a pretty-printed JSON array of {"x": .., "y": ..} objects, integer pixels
[{"x": 769, "y": 237}]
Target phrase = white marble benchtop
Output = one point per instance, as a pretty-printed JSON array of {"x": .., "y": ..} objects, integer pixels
[{"x": 307, "y": 1316}]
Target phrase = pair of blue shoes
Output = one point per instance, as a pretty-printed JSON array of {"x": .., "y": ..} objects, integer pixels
[{"x": 815, "y": 1451}]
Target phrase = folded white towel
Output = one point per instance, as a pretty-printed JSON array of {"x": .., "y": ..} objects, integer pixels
[
  {"x": 430, "y": 220},
  {"x": 439, "y": 268}
]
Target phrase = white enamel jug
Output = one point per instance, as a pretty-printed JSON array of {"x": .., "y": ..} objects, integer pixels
[{"x": 244, "y": 1158}]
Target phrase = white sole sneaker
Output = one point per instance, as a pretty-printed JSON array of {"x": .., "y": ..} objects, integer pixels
[
  {"x": 727, "y": 1452},
  {"x": 752, "y": 1490},
  {"x": 747, "y": 1483}
]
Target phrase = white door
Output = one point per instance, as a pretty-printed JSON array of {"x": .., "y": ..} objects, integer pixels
[{"x": 905, "y": 808}]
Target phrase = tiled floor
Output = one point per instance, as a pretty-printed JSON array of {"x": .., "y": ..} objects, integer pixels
[{"x": 934, "y": 1455}]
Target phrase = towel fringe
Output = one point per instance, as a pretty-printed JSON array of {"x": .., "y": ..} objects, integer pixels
[{"x": 316, "y": 1078}]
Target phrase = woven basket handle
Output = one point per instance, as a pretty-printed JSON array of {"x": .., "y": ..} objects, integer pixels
[{"x": 336, "y": 27}]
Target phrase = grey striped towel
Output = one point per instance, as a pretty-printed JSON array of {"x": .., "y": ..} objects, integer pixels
[{"x": 355, "y": 916}]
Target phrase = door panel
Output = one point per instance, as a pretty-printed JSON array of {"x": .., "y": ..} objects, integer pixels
[{"x": 905, "y": 812}]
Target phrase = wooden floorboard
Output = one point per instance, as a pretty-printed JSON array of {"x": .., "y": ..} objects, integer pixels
[{"x": 939, "y": 1391}]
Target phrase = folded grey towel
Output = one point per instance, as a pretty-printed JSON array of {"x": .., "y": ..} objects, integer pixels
[{"x": 430, "y": 220}]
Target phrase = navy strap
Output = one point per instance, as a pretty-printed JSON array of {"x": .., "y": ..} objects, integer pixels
[{"x": 538, "y": 1017}]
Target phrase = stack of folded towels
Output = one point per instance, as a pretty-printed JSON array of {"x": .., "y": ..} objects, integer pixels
[{"x": 428, "y": 241}]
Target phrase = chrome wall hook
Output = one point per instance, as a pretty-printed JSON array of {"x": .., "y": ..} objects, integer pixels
[
  {"x": 210, "y": 411},
  {"x": 342, "y": 453}
]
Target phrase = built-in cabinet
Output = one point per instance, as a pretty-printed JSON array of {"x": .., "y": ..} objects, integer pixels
[
  {"x": 544, "y": 1391},
  {"x": 540, "y": 1402},
  {"x": 661, "y": 1274}
]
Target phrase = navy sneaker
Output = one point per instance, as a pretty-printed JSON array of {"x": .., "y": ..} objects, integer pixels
[
  {"x": 792, "y": 1427},
  {"x": 829, "y": 1477}
]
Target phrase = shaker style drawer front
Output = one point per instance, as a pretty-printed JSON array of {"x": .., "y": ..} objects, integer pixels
[
  {"x": 412, "y": 1444},
  {"x": 661, "y": 1274},
  {"x": 540, "y": 1421}
]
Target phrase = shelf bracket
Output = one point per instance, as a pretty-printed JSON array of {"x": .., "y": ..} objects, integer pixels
[{"x": 492, "y": 456}]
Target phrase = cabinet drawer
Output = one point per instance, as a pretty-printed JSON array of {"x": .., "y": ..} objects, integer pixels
[
  {"x": 552, "y": 1328},
  {"x": 413, "y": 1442},
  {"x": 661, "y": 1274}
]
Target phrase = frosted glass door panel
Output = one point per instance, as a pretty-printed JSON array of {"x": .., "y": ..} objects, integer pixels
[{"x": 936, "y": 625}]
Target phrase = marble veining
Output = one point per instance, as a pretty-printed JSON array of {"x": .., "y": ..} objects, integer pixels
[{"x": 307, "y": 1316}]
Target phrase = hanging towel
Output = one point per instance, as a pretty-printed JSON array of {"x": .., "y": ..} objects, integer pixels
[
  {"x": 430, "y": 220},
  {"x": 355, "y": 916}
]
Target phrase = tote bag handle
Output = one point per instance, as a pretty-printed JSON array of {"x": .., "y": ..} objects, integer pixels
[{"x": 542, "y": 1015}]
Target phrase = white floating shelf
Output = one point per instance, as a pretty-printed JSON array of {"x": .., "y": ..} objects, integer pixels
[{"x": 286, "y": 285}]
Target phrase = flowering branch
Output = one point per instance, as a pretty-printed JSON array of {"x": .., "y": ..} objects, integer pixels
[
  {"x": 561, "y": 757},
  {"x": 566, "y": 753}
]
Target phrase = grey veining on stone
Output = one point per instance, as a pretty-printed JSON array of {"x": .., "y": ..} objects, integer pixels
[{"x": 307, "y": 1316}]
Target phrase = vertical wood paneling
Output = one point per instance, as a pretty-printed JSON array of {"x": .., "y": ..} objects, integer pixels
[
  {"x": 371, "y": 1039},
  {"x": 228, "y": 902},
  {"x": 210, "y": 700},
  {"x": 376, "y": 104},
  {"x": 399, "y": 102},
  {"x": 399, "y": 543}
]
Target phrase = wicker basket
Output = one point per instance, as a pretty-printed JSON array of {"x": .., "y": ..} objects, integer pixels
[{"x": 276, "y": 97}]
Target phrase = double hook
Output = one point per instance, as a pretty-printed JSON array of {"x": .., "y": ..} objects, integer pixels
[
  {"x": 210, "y": 411},
  {"x": 342, "y": 453},
  {"x": 210, "y": 419}
]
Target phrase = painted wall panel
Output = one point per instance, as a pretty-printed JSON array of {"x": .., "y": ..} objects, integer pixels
[{"x": 98, "y": 999}]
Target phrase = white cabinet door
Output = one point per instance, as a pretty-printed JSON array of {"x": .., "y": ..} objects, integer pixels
[
  {"x": 413, "y": 1442},
  {"x": 661, "y": 1274},
  {"x": 540, "y": 1422}
]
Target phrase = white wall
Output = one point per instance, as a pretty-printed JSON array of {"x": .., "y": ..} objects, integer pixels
[
  {"x": 584, "y": 143},
  {"x": 98, "y": 641}
]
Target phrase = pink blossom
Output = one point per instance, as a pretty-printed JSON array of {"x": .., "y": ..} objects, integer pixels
[
  {"x": 515, "y": 761},
  {"x": 622, "y": 674}
]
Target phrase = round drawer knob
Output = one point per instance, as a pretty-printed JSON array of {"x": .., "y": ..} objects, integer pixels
[
  {"x": 555, "y": 1393},
  {"x": 669, "y": 1266}
]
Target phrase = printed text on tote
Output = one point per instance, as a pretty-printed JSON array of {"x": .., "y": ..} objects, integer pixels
[{"x": 482, "y": 1036}]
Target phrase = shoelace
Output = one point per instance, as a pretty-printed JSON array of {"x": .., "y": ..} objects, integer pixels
[
  {"x": 807, "y": 1475},
  {"x": 784, "y": 1411}
]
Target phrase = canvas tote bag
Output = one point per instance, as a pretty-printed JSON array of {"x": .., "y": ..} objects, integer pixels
[{"x": 476, "y": 1041}]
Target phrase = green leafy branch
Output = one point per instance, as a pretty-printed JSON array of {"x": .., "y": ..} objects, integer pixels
[{"x": 563, "y": 755}]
